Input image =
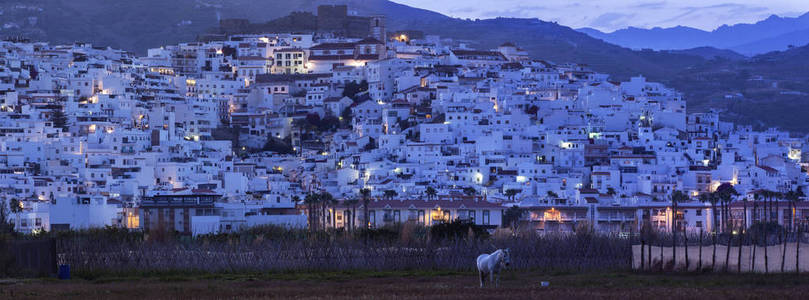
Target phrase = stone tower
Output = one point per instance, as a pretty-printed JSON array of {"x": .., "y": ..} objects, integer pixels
[{"x": 378, "y": 28}]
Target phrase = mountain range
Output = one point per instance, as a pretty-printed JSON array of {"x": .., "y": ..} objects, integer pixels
[
  {"x": 706, "y": 75},
  {"x": 772, "y": 34}
]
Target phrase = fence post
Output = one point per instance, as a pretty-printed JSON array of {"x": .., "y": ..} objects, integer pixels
[
  {"x": 685, "y": 239},
  {"x": 783, "y": 250},
  {"x": 798, "y": 250},
  {"x": 713, "y": 257},
  {"x": 739, "y": 259},
  {"x": 727, "y": 250},
  {"x": 699, "y": 263},
  {"x": 642, "y": 251},
  {"x": 649, "y": 257},
  {"x": 753, "y": 248},
  {"x": 662, "y": 263},
  {"x": 766, "y": 244}
]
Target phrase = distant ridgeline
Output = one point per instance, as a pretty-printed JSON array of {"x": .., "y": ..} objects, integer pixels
[{"x": 329, "y": 19}]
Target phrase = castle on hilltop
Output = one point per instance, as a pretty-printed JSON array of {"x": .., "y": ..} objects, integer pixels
[{"x": 334, "y": 19}]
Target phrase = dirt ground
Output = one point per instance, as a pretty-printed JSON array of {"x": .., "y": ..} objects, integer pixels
[{"x": 515, "y": 285}]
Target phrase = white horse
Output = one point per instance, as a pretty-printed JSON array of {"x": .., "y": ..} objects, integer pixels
[{"x": 491, "y": 264}]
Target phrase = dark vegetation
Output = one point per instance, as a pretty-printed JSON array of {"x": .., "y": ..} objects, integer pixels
[
  {"x": 280, "y": 146},
  {"x": 352, "y": 89},
  {"x": 408, "y": 247}
]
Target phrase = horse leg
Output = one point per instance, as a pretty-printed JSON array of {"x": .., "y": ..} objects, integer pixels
[{"x": 481, "y": 275}]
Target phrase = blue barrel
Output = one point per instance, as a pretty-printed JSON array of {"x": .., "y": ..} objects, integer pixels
[{"x": 64, "y": 272}]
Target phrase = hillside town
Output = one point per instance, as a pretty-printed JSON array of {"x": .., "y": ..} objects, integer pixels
[{"x": 331, "y": 130}]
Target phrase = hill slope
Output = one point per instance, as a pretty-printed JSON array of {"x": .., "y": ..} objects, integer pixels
[
  {"x": 139, "y": 25},
  {"x": 705, "y": 75}
]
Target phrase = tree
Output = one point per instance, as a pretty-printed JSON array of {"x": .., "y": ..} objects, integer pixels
[
  {"x": 742, "y": 232},
  {"x": 59, "y": 119},
  {"x": 469, "y": 191},
  {"x": 371, "y": 145},
  {"x": 512, "y": 216},
  {"x": 797, "y": 196},
  {"x": 352, "y": 88},
  {"x": 366, "y": 200},
  {"x": 352, "y": 204},
  {"x": 511, "y": 193},
  {"x": 764, "y": 229},
  {"x": 431, "y": 193},
  {"x": 532, "y": 110},
  {"x": 710, "y": 197},
  {"x": 311, "y": 200},
  {"x": 390, "y": 194},
  {"x": 677, "y": 197},
  {"x": 726, "y": 192},
  {"x": 6, "y": 226},
  {"x": 277, "y": 145},
  {"x": 326, "y": 200},
  {"x": 347, "y": 115},
  {"x": 15, "y": 206}
]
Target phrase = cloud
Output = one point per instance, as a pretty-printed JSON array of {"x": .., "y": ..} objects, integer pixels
[
  {"x": 611, "y": 20},
  {"x": 650, "y": 5},
  {"x": 615, "y": 14},
  {"x": 522, "y": 11},
  {"x": 463, "y": 10},
  {"x": 713, "y": 15}
]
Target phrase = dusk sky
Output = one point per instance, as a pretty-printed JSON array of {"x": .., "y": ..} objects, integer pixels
[{"x": 609, "y": 15}]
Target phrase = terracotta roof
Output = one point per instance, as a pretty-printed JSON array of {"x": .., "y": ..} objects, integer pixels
[
  {"x": 370, "y": 40},
  {"x": 768, "y": 169},
  {"x": 332, "y": 46},
  {"x": 433, "y": 204}
]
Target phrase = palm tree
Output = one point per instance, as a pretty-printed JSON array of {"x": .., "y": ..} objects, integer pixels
[
  {"x": 311, "y": 200},
  {"x": 793, "y": 197},
  {"x": 767, "y": 198},
  {"x": 366, "y": 200},
  {"x": 798, "y": 198},
  {"x": 431, "y": 193},
  {"x": 742, "y": 232},
  {"x": 352, "y": 203},
  {"x": 326, "y": 200},
  {"x": 726, "y": 193},
  {"x": 711, "y": 197},
  {"x": 778, "y": 197},
  {"x": 676, "y": 198}
]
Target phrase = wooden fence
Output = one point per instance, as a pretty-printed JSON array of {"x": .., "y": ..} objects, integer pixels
[{"x": 721, "y": 253}]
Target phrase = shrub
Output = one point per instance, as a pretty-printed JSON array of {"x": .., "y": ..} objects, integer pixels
[{"x": 457, "y": 229}]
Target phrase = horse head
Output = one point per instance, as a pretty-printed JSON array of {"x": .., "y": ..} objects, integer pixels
[{"x": 505, "y": 258}]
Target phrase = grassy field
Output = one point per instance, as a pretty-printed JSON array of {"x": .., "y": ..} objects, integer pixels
[{"x": 404, "y": 285}]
